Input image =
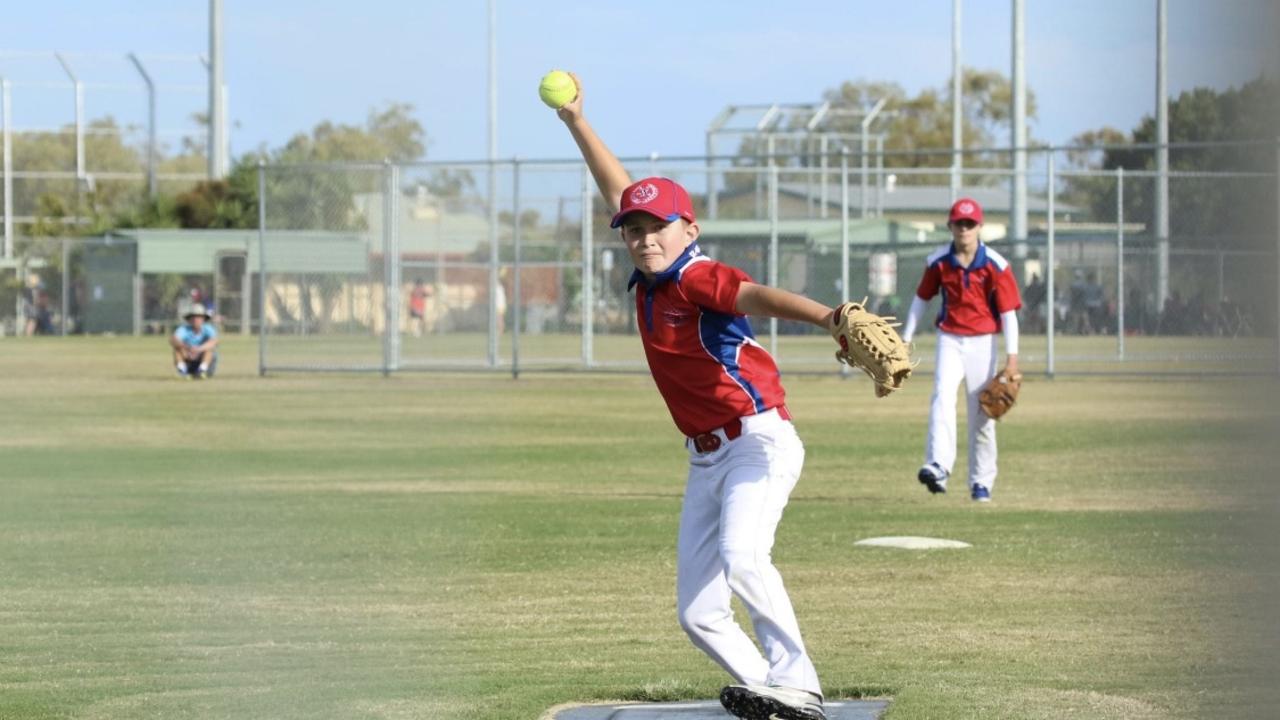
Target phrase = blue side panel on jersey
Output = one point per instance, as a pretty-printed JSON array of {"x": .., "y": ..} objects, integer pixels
[{"x": 722, "y": 335}]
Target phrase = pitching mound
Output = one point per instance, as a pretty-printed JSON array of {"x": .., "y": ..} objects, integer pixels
[{"x": 709, "y": 709}]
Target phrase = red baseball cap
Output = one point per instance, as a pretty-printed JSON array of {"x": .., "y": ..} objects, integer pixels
[
  {"x": 966, "y": 209},
  {"x": 661, "y": 197}
]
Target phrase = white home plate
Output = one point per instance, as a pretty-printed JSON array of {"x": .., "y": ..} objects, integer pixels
[{"x": 913, "y": 543}]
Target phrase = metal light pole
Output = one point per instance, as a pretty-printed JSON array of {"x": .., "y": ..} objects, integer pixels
[
  {"x": 866, "y": 125},
  {"x": 957, "y": 133},
  {"x": 493, "y": 183},
  {"x": 151, "y": 124},
  {"x": 1018, "y": 204},
  {"x": 6, "y": 117},
  {"x": 79, "y": 92},
  {"x": 217, "y": 131}
]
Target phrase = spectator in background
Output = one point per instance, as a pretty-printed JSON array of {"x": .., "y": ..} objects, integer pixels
[
  {"x": 1077, "y": 304},
  {"x": 1136, "y": 320},
  {"x": 195, "y": 344},
  {"x": 29, "y": 305},
  {"x": 1095, "y": 307},
  {"x": 200, "y": 296},
  {"x": 43, "y": 315},
  {"x": 1173, "y": 316},
  {"x": 1034, "y": 296},
  {"x": 418, "y": 307}
]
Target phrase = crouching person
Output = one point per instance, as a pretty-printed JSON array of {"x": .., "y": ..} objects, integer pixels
[{"x": 195, "y": 344}]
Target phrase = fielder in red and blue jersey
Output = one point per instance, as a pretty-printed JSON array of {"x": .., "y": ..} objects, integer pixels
[
  {"x": 979, "y": 299},
  {"x": 974, "y": 296}
]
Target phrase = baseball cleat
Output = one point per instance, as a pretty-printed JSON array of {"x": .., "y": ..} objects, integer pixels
[
  {"x": 934, "y": 477},
  {"x": 769, "y": 702},
  {"x": 980, "y": 493}
]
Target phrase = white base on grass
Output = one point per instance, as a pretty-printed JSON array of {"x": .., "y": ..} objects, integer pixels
[{"x": 913, "y": 543}]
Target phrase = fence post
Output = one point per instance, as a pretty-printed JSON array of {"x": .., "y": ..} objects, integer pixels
[
  {"x": 773, "y": 251},
  {"x": 588, "y": 273},
  {"x": 1277, "y": 179},
  {"x": 66, "y": 277},
  {"x": 262, "y": 268},
  {"x": 1120, "y": 263},
  {"x": 493, "y": 261},
  {"x": 514, "y": 303},
  {"x": 844, "y": 236},
  {"x": 1051, "y": 298},
  {"x": 391, "y": 268}
]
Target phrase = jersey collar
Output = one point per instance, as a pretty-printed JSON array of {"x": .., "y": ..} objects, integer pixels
[
  {"x": 979, "y": 257},
  {"x": 670, "y": 273}
]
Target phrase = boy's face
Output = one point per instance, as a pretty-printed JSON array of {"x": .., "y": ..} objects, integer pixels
[
  {"x": 965, "y": 234},
  {"x": 655, "y": 243}
]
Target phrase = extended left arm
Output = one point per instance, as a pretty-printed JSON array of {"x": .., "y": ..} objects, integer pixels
[
  {"x": 1009, "y": 321},
  {"x": 768, "y": 301}
]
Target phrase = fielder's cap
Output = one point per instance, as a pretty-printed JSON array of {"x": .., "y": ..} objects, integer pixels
[
  {"x": 661, "y": 197},
  {"x": 196, "y": 309},
  {"x": 966, "y": 209}
]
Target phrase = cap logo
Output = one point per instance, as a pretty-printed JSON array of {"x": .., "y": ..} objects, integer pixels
[
  {"x": 644, "y": 194},
  {"x": 965, "y": 208}
]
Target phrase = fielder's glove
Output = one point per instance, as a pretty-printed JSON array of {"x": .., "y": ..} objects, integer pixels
[
  {"x": 1000, "y": 394},
  {"x": 870, "y": 343}
]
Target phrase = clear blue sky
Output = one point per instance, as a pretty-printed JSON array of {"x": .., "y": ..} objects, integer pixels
[{"x": 656, "y": 72}]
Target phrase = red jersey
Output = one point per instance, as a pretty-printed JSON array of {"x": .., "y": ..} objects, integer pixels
[
  {"x": 974, "y": 297},
  {"x": 702, "y": 353}
]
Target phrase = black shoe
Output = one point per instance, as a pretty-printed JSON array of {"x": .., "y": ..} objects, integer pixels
[
  {"x": 765, "y": 702},
  {"x": 934, "y": 477}
]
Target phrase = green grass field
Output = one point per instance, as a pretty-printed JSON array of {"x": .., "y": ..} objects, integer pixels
[{"x": 472, "y": 547}]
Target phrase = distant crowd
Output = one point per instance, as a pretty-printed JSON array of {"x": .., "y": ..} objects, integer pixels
[{"x": 1086, "y": 308}]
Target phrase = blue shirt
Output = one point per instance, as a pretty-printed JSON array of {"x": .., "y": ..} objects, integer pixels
[{"x": 189, "y": 337}]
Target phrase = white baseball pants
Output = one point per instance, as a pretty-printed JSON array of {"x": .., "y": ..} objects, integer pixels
[
  {"x": 732, "y": 505},
  {"x": 972, "y": 359}
]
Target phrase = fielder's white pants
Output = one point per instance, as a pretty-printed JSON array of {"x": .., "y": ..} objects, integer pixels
[
  {"x": 971, "y": 359},
  {"x": 732, "y": 505}
]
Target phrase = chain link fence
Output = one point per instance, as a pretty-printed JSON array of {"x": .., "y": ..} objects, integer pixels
[{"x": 512, "y": 266}]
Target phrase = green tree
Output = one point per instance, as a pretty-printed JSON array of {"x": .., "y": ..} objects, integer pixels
[
  {"x": 1202, "y": 211},
  {"x": 307, "y": 198},
  {"x": 388, "y": 134},
  {"x": 54, "y": 202}
]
